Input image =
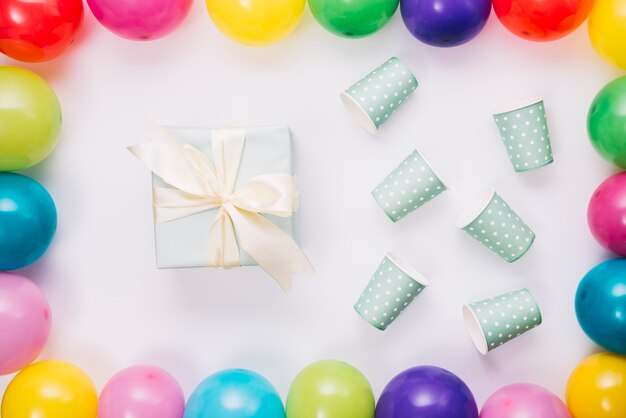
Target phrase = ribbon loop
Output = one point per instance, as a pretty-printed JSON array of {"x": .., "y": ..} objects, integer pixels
[{"x": 200, "y": 185}]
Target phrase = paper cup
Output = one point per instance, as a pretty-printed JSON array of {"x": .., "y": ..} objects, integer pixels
[
  {"x": 524, "y": 130},
  {"x": 377, "y": 96},
  {"x": 408, "y": 187},
  {"x": 390, "y": 290},
  {"x": 495, "y": 321},
  {"x": 491, "y": 221}
]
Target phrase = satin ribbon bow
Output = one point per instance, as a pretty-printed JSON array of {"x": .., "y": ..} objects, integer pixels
[{"x": 199, "y": 185}]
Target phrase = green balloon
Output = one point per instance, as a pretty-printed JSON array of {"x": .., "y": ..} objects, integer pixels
[
  {"x": 606, "y": 122},
  {"x": 30, "y": 119},
  {"x": 330, "y": 389},
  {"x": 353, "y": 18}
]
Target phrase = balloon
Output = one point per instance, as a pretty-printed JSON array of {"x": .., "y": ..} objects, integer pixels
[
  {"x": 24, "y": 322},
  {"x": 597, "y": 387},
  {"x": 445, "y": 23},
  {"x": 606, "y": 122},
  {"x": 50, "y": 389},
  {"x": 605, "y": 214},
  {"x": 256, "y": 22},
  {"x": 28, "y": 220},
  {"x": 140, "y": 20},
  {"x": 542, "y": 20},
  {"x": 524, "y": 401},
  {"x": 426, "y": 392},
  {"x": 330, "y": 389},
  {"x": 30, "y": 119},
  {"x": 607, "y": 30},
  {"x": 353, "y": 18},
  {"x": 601, "y": 305},
  {"x": 235, "y": 393},
  {"x": 38, "y": 30},
  {"x": 142, "y": 392}
]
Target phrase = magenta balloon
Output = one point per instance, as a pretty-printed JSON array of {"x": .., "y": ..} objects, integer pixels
[
  {"x": 142, "y": 392},
  {"x": 140, "y": 20},
  {"x": 606, "y": 214},
  {"x": 24, "y": 322},
  {"x": 524, "y": 401}
]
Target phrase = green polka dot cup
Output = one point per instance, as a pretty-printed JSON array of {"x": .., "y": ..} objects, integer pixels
[
  {"x": 376, "y": 97},
  {"x": 524, "y": 131},
  {"x": 390, "y": 290},
  {"x": 408, "y": 187},
  {"x": 492, "y": 221},
  {"x": 495, "y": 321}
]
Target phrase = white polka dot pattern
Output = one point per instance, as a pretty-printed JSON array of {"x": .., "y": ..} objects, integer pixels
[
  {"x": 526, "y": 137},
  {"x": 505, "y": 317},
  {"x": 388, "y": 293},
  {"x": 408, "y": 187},
  {"x": 382, "y": 91},
  {"x": 501, "y": 230}
]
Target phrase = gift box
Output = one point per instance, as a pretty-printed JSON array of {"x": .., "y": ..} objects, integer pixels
[{"x": 224, "y": 198}]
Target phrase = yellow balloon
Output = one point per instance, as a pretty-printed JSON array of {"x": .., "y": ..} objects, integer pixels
[
  {"x": 50, "y": 389},
  {"x": 597, "y": 387},
  {"x": 256, "y": 22},
  {"x": 607, "y": 30}
]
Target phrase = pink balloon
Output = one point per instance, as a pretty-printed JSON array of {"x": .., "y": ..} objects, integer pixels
[
  {"x": 606, "y": 214},
  {"x": 524, "y": 401},
  {"x": 24, "y": 322},
  {"x": 140, "y": 20},
  {"x": 142, "y": 392}
]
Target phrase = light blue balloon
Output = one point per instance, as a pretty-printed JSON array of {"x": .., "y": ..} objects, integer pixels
[
  {"x": 601, "y": 305},
  {"x": 28, "y": 220},
  {"x": 235, "y": 393}
]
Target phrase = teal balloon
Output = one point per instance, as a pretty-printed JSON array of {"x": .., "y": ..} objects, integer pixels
[
  {"x": 353, "y": 18},
  {"x": 235, "y": 393},
  {"x": 606, "y": 122},
  {"x": 601, "y": 305},
  {"x": 28, "y": 220}
]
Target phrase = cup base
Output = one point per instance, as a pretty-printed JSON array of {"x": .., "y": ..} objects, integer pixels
[
  {"x": 530, "y": 244},
  {"x": 372, "y": 323},
  {"x": 534, "y": 167}
]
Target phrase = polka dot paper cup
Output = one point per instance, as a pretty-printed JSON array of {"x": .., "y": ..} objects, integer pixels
[
  {"x": 500, "y": 319},
  {"x": 524, "y": 131},
  {"x": 391, "y": 289},
  {"x": 491, "y": 221},
  {"x": 376, "y": 97},
  {"x": 408, "y": 187}
]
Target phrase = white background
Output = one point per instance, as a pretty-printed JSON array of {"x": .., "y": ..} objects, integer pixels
[{"x": 112, "y": 308}]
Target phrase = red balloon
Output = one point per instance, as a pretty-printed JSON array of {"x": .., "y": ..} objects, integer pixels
[
  {"x": 38, "y": 30},
  {"x": 542, "y": 20}
]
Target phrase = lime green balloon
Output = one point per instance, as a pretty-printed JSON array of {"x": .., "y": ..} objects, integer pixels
[
  {"x": 330, "y": 389},
  {"x": 353, "y": 18},
  {"x": 30, "y": 119},
  {"x": 606, "y": 122}
]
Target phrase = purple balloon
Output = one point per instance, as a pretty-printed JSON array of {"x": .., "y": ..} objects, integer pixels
[
  {"x": 445, "y": 22},
  {"x": 426, "y": 392}
]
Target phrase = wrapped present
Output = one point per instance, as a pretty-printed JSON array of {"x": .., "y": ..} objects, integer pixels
[{"x": 224, "y": 198}]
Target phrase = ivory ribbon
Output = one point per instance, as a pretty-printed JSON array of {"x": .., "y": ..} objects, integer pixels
[{"x": 199, "y": 185}]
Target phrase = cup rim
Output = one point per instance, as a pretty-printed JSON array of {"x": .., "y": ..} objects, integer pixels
[
  {"x": 407, "y": 269},
  {"x": 518, "y": 105},
  {"x": 476, "y": 208},
  {"x": 445, "y": 186},
  {"x": 358, "y": 112},
  {"x": 472, "y": 323}
]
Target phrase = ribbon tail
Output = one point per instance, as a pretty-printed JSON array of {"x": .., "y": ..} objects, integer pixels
[
  {"x": 273, "y": 249},
  {"x": 223, "y": 247}
]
